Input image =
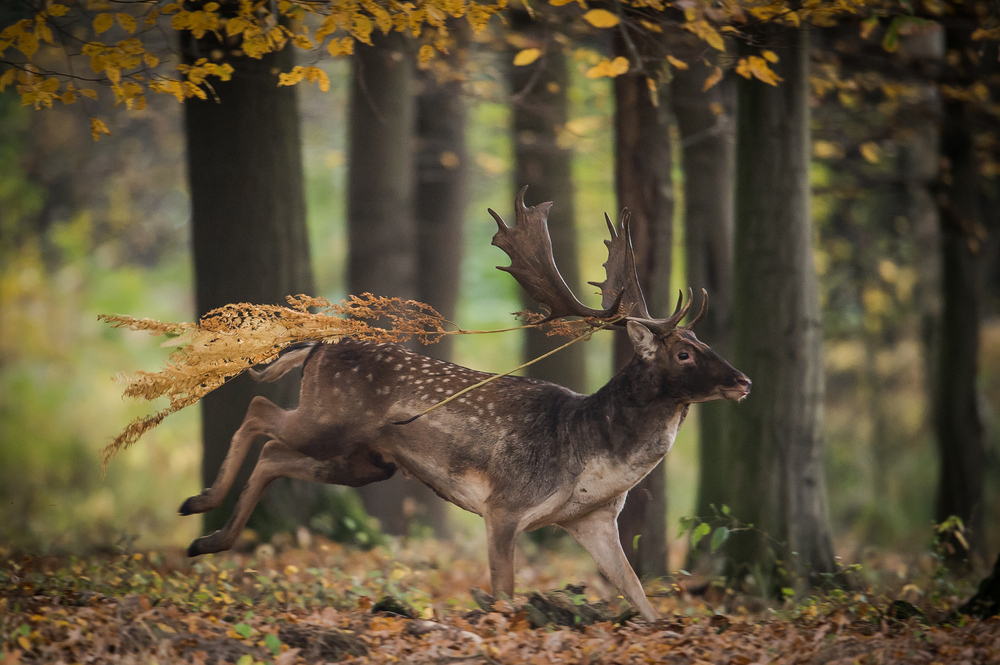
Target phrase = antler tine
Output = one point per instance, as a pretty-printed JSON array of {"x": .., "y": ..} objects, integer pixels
[
  {"x": 680, "y": 301},
  {"x": 621, "y": 281},
  {"x": 611, "y": 230},
  {"x": 664, "y": 326},
  {"x": 704, "y": 308},
  {"x": 532, "y": 264},
  {"x": 681, "y": 312}
]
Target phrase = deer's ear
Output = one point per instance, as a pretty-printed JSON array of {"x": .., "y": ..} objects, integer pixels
[{"x": 643, "y": 340}]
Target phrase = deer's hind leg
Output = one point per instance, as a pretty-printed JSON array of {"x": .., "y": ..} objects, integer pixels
[
  {"x": 263, "y": 418},
  {"x": 276, "y": 461}
]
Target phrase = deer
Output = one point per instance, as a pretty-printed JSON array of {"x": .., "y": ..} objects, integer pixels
[{"x": 519, "y": 452}]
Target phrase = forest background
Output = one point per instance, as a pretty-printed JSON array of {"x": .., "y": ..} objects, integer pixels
[{"x": 105, "y": 227}]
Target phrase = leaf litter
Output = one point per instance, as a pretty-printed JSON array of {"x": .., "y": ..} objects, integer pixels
[{"x": 414, "y": 602}]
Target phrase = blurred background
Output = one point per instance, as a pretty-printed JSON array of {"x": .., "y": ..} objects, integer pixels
[{"x": 106, "y": 227}]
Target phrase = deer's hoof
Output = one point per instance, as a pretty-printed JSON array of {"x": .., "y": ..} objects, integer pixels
[
  {"x": 193, "y": 549},
  {"x": 188, "y": 508},
  {"x": 196, "y": 504}
]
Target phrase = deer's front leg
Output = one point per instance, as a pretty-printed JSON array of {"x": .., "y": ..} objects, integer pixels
[
  {"x": 598, "y": 533},
  {"x": 263, "y": 417},
  {"x": 501, "y": 531}
]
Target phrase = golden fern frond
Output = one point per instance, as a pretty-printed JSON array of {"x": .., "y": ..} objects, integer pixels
[{"x": 231, "y": 339}]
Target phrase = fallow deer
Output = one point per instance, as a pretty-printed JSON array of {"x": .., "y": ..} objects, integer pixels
[{"x": 520, "y": 452}]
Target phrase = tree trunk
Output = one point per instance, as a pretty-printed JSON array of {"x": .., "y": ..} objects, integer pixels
[
  {"x": 958, "y": 426},
  {"x": 249, "y": 241},
  {"x": 643, "y": 162},
  {"x": 441, "y": 168},
  {"x": 382, "y": 231},
  {"x": 540, "y": 110},
  {"x": 779, "y": 482},
  {"x": 985, "y": 602},
  {"x": 706, "y": 120},
  {"x": 439, "y": 207}
]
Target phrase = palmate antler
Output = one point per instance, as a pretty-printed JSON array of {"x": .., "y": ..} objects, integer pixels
[
  {"x": 532, "y": 264},
  {"x": 529, "y": 247}
]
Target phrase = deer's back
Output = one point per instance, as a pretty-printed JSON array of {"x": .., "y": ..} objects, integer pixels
[{"x": 510, "y": 430}]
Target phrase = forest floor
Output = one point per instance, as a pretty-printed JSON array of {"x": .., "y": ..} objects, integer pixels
[{"x": 325, "y": 603}]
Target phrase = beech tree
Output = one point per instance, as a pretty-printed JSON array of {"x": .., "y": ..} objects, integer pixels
[
  {"x": 249, "y": 240},
  {"x": 707, "y": 128},
  {"x": 539, "y": 109},
  {"x": 440, "y": 190},
  {"x": 382, "y": 228},
  {"x": 643, "y": 180},
  {"x": 779, "y": 481},
  {"x": 957, "y": 422}
]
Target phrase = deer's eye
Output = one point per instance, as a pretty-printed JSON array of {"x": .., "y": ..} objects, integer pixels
[{"x": 683, "y": 355}]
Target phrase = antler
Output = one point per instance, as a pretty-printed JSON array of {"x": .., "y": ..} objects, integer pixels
[
  {"x": 529, "y": 247},
  {"x": 623, "y": 280}
]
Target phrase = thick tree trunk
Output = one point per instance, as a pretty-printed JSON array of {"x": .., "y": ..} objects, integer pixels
[
  {"x": 957, "y": 423},
  {"x": 439, "y": 207},
  {"x": 540, "y": 110},
  {"x": 779, "y": 482},
  {"x": 249, "y": 240},
  {"x": 441, "y": 167},
  {"x": 382, "y": 231},
  {"x": 707, "y": 124},
  {"x": 643, "y": 162}
]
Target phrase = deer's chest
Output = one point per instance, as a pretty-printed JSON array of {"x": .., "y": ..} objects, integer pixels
[{"x": 605, "y": 477}]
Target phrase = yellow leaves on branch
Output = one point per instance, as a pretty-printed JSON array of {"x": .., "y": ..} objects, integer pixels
[
  {"x": 704, "y": 30},
  {"x": 608, "y": 68},
  {"x": 261, "y": 26},
  {"x": 310, "y": 74},
  {"x": 526, "y": 56},
  {"x": 755, "y": 66},
  {"x": 97, "y": 127},
  {"x": 712, "y": 79},
  {"x": 679, "y": 64},
  {"x": 601, "y": 18},
  {"x": 103, "y": 22},
  {"x": 871, "y": 151}
]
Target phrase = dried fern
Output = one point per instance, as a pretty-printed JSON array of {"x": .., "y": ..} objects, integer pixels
[{"x": 229, "y": 340}]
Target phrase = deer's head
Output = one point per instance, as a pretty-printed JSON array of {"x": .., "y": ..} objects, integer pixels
[{"x": 684, "y": 367}]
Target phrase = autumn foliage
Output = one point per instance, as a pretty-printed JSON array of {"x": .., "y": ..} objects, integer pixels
[
  {"x": 411, "y": 602},
  {"x": 229, "y": 340},
  {"x": 63, "y": 53}
]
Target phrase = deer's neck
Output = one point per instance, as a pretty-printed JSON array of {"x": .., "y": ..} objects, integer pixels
[{"x": 634, "y": 413}]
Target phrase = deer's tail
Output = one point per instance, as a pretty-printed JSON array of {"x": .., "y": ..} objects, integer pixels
[{"x": 284, "y": 364}]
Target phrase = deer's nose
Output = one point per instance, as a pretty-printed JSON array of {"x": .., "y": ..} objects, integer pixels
[{"x": 744, "y": 380}]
